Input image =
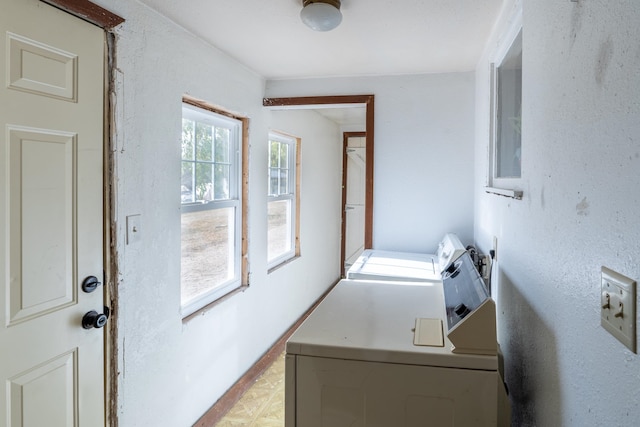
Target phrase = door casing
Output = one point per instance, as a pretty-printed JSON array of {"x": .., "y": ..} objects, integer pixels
[
  {"x": 368, "y": 102},
  {"x": 343, "y": 243}
]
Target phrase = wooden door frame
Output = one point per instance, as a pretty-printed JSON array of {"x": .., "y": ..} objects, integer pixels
[
  {"x": 102, "y": 18},
  {"x": 88, "y": 11},
  {"x": 368, "y": 101},
  {"x": 343, "y": 243}
]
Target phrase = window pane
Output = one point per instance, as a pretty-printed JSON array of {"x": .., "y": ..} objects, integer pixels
[
  {"x": 284, "y": 181},
  {"x": 186, "y": 191},
  {"x": 223, "y": 136},
  {"x": 274, "y": 159},
  {"x": 279, "y": 228},
  {"x": 284, "y": 155},
  {"x": 188, "y": 137},
  {"x": 207, "y": 260},
  {"x": 204, "y": 182},
  {"x": 204, "y": 141},
  {"x": 273, "y": 182},
  {"x": 221, "y": 182},
  {"x": 509, "y": 120}
]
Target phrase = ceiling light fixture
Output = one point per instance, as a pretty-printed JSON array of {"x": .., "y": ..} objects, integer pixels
[{"x": 321, "y": 15}]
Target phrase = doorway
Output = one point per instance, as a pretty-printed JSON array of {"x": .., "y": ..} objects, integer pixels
[
  {"x": 353, "y": 195},
  {"x": 344, "y": 101}
]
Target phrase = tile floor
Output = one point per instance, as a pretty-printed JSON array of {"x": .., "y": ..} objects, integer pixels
[{"x": 263, "y": 404}]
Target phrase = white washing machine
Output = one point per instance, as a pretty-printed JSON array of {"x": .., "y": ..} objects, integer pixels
[
  {"x": 375, "y": 264},
  {"x": 382, "y": 355}
]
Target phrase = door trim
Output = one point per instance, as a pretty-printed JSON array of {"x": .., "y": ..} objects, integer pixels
[
  {"x": 110, "y": 237},
  {"x": 88, "y": 11},
  {"x": 368, "y": 101}
]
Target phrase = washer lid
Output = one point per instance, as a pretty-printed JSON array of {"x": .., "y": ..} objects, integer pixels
[{"x": 374, "y": 321}]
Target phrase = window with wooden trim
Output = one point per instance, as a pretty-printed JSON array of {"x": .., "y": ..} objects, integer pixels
[
  {"x": 211, "y": 206},
  {"x": 283, "y": 199}
]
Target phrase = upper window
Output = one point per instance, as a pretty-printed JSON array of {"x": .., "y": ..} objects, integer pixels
[
  {"x": 283, "y": 201},
  {"x": 506, "y": 159},
  {"x": 211, "y": 207}
]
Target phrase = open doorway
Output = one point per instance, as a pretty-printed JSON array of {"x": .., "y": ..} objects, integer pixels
[
  {"x": 366, "y": 101},
  {"x": 354, "y": 160}
]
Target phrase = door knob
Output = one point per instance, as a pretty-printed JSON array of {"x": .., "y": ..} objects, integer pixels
[
  {"x": 90, "y": 284},
  {"x": 93, "y": 319}
]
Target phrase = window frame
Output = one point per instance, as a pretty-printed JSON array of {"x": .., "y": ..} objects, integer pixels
[
  {"x": 293, "y": 195},
  {"x": 237, "y": 198},
  {"x": 504, "y": 186}
]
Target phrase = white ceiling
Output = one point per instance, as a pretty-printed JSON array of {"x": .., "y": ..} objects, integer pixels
[
  {"x": 353, "y": 116},
  {"x": 376, "y": 37}
]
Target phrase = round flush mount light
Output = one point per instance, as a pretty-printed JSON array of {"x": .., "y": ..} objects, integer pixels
[{"x": 321, "y": 15}]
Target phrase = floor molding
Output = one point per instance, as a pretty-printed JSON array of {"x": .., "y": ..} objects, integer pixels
[{"x": 231, "y": 397}]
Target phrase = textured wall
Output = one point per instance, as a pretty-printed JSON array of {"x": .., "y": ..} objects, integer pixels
[{"x": 580, "y": 162}]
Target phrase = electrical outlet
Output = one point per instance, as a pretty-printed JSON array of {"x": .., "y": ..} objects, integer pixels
[
  {"x": 618, "y": 306},
  {"x": 486, "y": 267}
]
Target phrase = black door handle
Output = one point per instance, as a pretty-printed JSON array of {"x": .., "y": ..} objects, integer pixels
[{"x": 93, "y": 319}]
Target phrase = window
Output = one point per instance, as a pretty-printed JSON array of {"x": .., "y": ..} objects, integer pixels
[
  {"x": 506, "y": 150},
  {"x": 282, "y": 209},
  {"x": 211, "y": 207}
]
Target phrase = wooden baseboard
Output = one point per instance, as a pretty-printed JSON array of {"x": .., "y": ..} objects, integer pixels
[{"x": 231, "y": 397}]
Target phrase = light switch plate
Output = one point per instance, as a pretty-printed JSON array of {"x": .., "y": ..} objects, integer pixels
[
  {"x": 618, "y": 306},
  {"x": 133, "y": 228}
]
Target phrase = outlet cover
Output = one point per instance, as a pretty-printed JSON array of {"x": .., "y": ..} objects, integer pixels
[{"x": 618, "y": 307}]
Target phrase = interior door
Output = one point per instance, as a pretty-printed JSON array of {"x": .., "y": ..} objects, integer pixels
[
  {"x": 51, "y": 216},
  {"x": 354, "y": 194}
]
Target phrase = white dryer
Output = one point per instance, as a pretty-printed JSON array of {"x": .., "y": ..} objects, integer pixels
[
  {"x": 375, "y": 264},
  {"x": 377, "y": 354}
]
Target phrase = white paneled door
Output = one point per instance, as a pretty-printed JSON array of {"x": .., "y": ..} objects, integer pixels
[{"x": 51, "y": 217}]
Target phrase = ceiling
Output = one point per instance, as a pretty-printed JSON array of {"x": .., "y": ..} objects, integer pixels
[
  {"x": 352, "y": 116},
  {"x": 376, "y": 37}
]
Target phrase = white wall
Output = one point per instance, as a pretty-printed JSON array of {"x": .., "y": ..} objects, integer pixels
[
  {"x": 170, "y": 372},
  {"x": 580, "y": 163},
  {"x": 423, "y": 133}
]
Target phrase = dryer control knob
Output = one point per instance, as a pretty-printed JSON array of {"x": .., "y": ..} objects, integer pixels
[{"x": 461, "y": 310}]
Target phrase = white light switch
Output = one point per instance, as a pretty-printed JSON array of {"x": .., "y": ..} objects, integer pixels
[
  {"x": 618, "y": 307},
  {"x": 133, "y": 229}
]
